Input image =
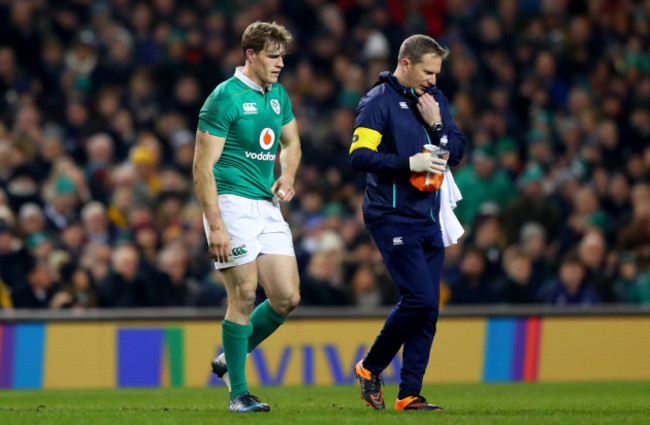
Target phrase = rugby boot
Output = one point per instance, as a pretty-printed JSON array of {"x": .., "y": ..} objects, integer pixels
[
  {"x": 245, "y": 402},
  {"x": 370, "y": 387},
  {"x": 220, "y": 369}
]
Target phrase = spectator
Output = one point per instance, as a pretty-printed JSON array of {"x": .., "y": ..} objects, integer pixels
[
  {"x": 72, "y": 240},
  {"x": 38, "y": 291},
  {"x": 635, "y": 236},
  {"x": 99, "y": 153},
  {"x": 532, "y": 241},
  {"x": 123, "y": 286},
  {"x": 78, "y": 292},
  {"x": 519, "y": 287},
  {"x": 96, "y": 259},
  {"x": 630, "y": 286},
  {"x": 96, "y": 225},
  {"x": 592, "y": 252},
  {"x": 317, "y": 287},
  {"x": 61, "y": 206},
  {"x": 532, "y": 205},
  {"x": 469, "y": 284},
  {"x": 179, "y": 290},
  {"x": 570, "y": 287},
  {"x": 31, "y": 219},
  {"x": 479, "y": 183},
  {"x": 586, "y": 213},
  {"x": 14, "y": 259}
]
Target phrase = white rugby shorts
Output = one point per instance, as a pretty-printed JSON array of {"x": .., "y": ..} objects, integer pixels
[{"x": 255, "y": 227}]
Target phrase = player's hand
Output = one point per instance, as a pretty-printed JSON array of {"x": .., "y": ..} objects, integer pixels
[
  {"x": 429, "y": 109},
  {"x": 219, "y": 245},
  {"x": 283, "y": 188}
]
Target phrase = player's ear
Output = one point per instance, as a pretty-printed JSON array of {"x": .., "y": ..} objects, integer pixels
[{"x": 250, "y": 55}]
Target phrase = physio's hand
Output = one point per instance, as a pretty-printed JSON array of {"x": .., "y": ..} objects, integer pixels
[
  {"x": 219, "y": 245},
  {"x": 429, "y": 109},
  {"x": 438, "y": 165},
  {"x": 420, "y": 162},
  {"x": 423, "y": 162}
]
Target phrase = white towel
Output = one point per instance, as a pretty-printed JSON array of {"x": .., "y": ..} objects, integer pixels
[{"x": 451, "y": 228}]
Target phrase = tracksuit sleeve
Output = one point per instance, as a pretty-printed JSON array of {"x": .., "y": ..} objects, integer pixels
[
  {"x": 456, "y": 143},
  {"x": 364, "y": 151},
  {"x": 369, "y": 161}
]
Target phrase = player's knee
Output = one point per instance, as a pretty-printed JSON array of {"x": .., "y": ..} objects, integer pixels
[
  {"x": 244, "y": 301},
  {"x": 286, "y": 305},
  {"x": 294, "y": 300}
]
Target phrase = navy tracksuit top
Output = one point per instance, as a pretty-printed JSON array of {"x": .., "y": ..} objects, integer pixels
[{"x": 390, "y": 109}]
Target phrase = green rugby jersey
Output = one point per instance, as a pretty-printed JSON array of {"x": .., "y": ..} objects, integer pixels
[{"x": 251, "y": 122}]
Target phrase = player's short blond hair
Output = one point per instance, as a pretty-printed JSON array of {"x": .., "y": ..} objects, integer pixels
[
  {"x": 259, "y": 35},
  {"x": 416, "y": 46}
]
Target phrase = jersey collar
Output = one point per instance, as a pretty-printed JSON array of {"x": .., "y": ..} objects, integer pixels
[{"x": 239, "y": 73}]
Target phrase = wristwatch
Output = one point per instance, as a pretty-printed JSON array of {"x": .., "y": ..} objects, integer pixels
[{"x": 437, "y": 126}]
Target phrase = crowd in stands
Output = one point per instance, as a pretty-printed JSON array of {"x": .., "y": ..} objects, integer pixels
[{"x": 99, "y": 103}]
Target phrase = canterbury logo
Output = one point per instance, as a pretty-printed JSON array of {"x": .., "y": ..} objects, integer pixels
[
  {"x": 239, "y": 251},
  {"x": 398, "y": 241},
  {"x": 250, "y": 108}
]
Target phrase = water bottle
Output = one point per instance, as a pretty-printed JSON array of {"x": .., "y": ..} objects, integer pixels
[
  {"x": 440, "y": 152},
  {"x": 427, "y": 182}
]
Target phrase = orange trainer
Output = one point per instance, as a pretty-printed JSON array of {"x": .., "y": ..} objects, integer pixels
[{"x": 416, "y": 402}]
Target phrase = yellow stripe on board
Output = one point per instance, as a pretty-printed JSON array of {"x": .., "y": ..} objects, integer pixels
[
  {"x": 365, "y": 138},
  {"x": 458, "y": 351},
  {"x": 595, "y": 349},
  {"x": 164, "y": 373},
  {"x": 80, "y": 355},
  {"x": 201, "y": 340}
]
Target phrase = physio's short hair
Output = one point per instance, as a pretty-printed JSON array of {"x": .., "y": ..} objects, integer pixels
[
  {"x": 416, "y": 46},
  {"x": 258, "y": 35}
]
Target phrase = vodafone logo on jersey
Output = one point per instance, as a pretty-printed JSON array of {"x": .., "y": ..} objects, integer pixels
[{"x": 267, "y": 137}]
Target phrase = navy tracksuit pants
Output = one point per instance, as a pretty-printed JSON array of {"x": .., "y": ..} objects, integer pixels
[{"x": 413, "y": 255}]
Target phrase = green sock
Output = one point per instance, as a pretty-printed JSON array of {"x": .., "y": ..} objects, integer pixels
[
  {"x": 235, "y": 341},
  {"x": 265, "y": 321}
]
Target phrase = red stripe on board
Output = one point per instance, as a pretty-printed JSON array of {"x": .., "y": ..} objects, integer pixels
[{"x": 531, "y": 359}]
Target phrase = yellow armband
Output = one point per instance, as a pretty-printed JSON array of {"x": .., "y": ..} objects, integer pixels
[{"x": 365, "y": 138}]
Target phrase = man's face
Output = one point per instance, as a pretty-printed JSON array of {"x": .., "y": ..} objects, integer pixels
[
  {"x": 421, "y": 76},
  {"x": 268, "y": 63}
]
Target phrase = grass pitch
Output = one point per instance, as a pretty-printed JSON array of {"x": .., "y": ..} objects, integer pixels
[{"x": 538, "y": 403}]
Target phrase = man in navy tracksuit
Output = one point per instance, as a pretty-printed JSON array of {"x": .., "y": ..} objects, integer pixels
[{"x": 403, "y": 112}]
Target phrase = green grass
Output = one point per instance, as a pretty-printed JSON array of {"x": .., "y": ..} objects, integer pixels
[{"x": 540, "y": 403}]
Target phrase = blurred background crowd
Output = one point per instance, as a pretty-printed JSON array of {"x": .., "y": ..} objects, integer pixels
[{"x": 98, "y": 109}]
